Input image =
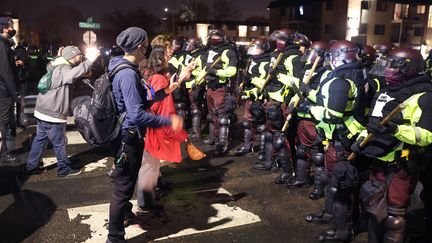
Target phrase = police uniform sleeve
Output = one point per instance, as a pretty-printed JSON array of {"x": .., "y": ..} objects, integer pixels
[
  {"x": 229, "y": 61},
  {"x": 420, "y": 115},
  {"x": 334, "y": 102}
]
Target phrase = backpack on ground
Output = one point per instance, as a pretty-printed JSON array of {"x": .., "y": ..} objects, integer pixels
[{"x": 96, "y": 117}]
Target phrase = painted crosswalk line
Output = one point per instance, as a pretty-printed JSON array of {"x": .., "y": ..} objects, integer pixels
[{"x": 222, "y": 217}]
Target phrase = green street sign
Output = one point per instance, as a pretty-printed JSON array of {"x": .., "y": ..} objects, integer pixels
[{"x": 86, "y": 25}]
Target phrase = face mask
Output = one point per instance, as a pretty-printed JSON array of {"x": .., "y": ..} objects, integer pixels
[
  {"x": 214, "y": 41},
  {"x": 393, "y": 77},
  {"x": 11, "y": 33},
  {"x": 280, "y": 45}
]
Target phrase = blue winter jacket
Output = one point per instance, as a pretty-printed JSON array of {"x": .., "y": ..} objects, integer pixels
[{"x": 131, "y": 97}]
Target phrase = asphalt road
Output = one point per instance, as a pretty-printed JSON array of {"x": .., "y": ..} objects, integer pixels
[{"x": 213, "y": 200}]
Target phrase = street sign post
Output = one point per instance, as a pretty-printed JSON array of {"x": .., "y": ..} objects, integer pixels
[
  {"x": 89, "y": 37},
  {"x": 89, "y": 24},
  {"x": 85, "y": 25}
]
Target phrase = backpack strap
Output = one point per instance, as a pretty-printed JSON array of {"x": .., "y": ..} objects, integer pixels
[{"x": 121, "y": 67}]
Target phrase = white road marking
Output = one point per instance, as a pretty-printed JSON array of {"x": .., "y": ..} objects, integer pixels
[
  {"x": 96, "y": 216},
  {"x": 96, "y": 165}
]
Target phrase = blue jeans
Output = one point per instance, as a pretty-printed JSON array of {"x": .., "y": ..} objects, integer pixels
[{"x": 56, "y": 134}]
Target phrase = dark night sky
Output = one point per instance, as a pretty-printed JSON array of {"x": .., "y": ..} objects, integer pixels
[{"x": 32, "y": 8}]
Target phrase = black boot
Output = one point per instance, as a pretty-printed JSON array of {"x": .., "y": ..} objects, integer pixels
[
  {"x": 394, "y": 229},
  {"x": 319, "y": 183},
  {"x": 268, "y": 163},
  {"x": 211, "y": 138},
  {"x": 196, "y": 124},
  {"x": 222, "y": 146},
  {"x": 301, "y": 180},
  {"x": 261, "y": 129},
  {"x": 247, "y": 140},
  {"x": 285, "y": 162},
  {"x": 341, "y": 230}
]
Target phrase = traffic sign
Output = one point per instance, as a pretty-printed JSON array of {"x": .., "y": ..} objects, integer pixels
[
  {"x": 89, "y": 37},
  {"x": 86, "y": 25}
]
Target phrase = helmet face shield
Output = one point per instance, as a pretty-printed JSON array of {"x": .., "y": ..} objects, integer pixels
[
  {"x": 254, "y": 50},
  {"x": 380, "y": 67},
  {"x": 278, "y": 35},
  {"x": 309, "y": 56}
]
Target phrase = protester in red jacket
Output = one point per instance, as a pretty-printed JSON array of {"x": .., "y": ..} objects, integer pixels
[{"x": 160, "y": 143}]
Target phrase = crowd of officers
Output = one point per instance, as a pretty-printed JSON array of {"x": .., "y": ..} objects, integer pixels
[{"x": 358, "y": 117}]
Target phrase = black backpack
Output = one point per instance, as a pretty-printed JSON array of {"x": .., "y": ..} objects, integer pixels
[{"x": 96, "y": 117}]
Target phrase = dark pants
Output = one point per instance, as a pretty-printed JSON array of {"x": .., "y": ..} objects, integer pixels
[
  {"x": 307, "y": 135},
  {"x": 56, "y": 134},
  {"x": 215, "y": 100},
  {"x": 125, "y": 178},
  {"x": 400, "y": 188},
  {"x": 5, "y": 114}
]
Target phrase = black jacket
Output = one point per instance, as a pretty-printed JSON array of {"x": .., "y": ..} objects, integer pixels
[{"x": 8, "y": 76}]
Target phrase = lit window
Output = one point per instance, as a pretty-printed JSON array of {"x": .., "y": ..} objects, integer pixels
[
  {"x": 242, "y": 30},
  {"x": 254, "y": 28},
  {"x": 421, "y": 9},
  {"x": 301, "y": 10}
]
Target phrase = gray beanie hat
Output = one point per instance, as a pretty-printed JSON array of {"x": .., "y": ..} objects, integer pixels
[
  {"x": 70, "y": 52},
  {"x": 131, "y": 38}
]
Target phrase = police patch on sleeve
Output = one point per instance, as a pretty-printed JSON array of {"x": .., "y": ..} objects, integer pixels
[
  {"x": 382, "y": 100},
  {"x": 211, "y": 55}
]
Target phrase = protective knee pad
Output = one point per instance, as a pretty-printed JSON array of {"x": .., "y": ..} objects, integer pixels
[
  {"x": 223, "y": 121},
  {"x": 317, "y": 159},
  {"x": 279, "y": 141},
  {"x": 301, "y": 152},
  {"x": 223, "y": 130},
  {"x": 261, "y": 128},
  {"x": 246, "y": 125},
  {"x": 195, "y": 112},
  {"x": 268, "y": 137},
  {"x": 320, "y": 177},
  {"x": 394, "y": 223}
]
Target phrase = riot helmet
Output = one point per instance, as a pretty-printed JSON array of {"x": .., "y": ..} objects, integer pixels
[
  {"x": 302, "y": 40},
  {"x": 259, "y": 46},
  {"x": 383, "y": 49},
  {"x": 400, "y": 65},
  {"x": 317, "y": 49},
  {"x": 177, "y": 44},
  {"x": 192, "y": 44},
  {"x": 342, "y": 52},
  {"x": 368, "y": 56},
  {"x": 283, "y": 38},
  {"x": 215, "y": 37}
]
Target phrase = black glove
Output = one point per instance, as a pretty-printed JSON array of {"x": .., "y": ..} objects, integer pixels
[
  {"x": 355, "y": 147},
  {"x": 211, "y": 71},
  {"x": 305, "y": 88},
  {"x": 377, "y": 128},
  {"x": 273, "y": 71},
  {"x": 304, "y": 107}
]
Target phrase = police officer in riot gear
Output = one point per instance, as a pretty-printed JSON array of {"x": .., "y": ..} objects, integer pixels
[
  {"x": 397, "y": 142},
  {"x": 309, "y": 148},
  {"x": 176, "y": 63},
  {"x": 217, "y": 79},
  {"x": 194, "y": 51},
  {"x": 278, "y": 94},
  {"x": 254, "y": 114},
  {"x": 339, "y": 116}
]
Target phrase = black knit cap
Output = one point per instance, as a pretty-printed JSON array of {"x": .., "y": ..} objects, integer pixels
[
  {"x": 5, "y": 22},
  {"x": 131, "y": 38}
]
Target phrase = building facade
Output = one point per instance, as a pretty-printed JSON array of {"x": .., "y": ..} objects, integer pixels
[
  {"x": 241, "y": 32},
  {"x": 402, "y": 22}
]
